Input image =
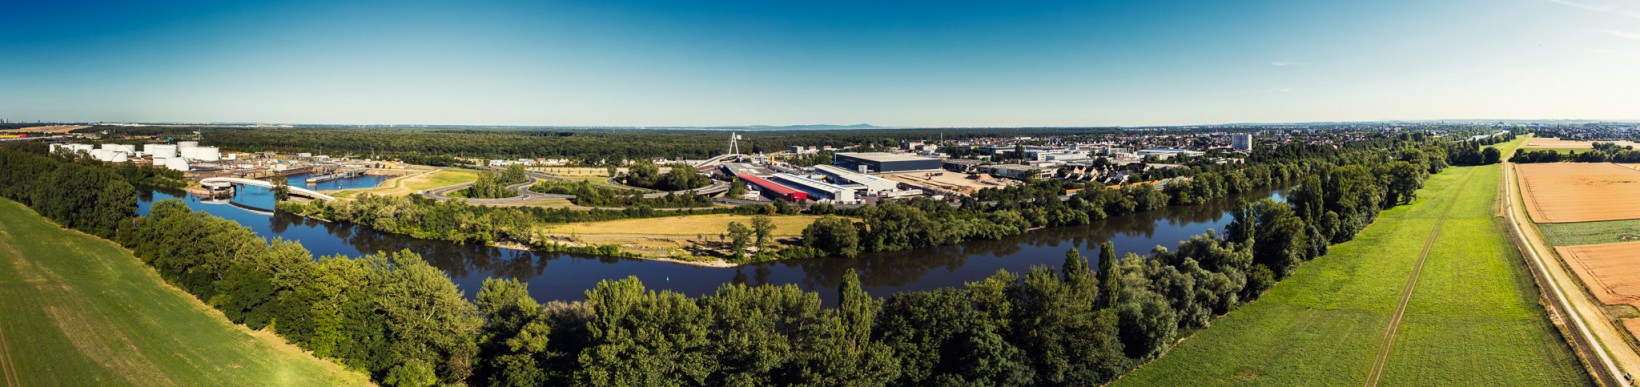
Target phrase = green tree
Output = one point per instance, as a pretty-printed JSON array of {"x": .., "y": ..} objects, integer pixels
[
  {"x": 737, "y": 188},
  {"x": 281, "y": 188},
  {"x": 763, "y": 229},
  {"x": 1110, "y": 276},
  {"x": 739, "y": 237},
  {"x": 834, "y": 235},
  {"x": 1491, "y": 155}
]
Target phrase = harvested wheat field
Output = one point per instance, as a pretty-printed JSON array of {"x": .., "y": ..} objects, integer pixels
[
  {"x": 1538, "y": 143},
  {"x": 1611, "y": 271},
  {"x": 1580, "y": 192},
  {"x": 54, "y": 129}
]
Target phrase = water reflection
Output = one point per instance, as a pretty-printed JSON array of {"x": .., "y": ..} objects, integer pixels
[{"x": 557, "y": 276}]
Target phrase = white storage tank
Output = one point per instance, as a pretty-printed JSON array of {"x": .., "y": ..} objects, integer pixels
[
  {"x": 187, "y": 144},
  {"x": 129, "y": 149},
  {"x": 204, "y": 153},
  {"x": 120, "y": 157},
  {"x": 77, "y": 148},
  {"x": 176, "y": 164},
  {"x": 209, "y": 153},
  {"x": 160, "y": 161},
  {"x": 103, "y": 154},
  {"x": 160, "y": 150}
]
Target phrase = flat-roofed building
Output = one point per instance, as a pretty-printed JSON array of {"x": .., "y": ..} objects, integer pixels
[
  {"x": 816, "y": 188},
  {"x": 774, "y": 190},
  {"x": 871, "y": 183},
  {"x": 882, "y": 162}
]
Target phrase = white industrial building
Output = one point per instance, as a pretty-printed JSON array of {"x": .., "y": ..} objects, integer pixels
[
  {"x": 817, "y": 188},
  {"x": 1168, "y": 153},
  {"x": 872, "y": 184}
]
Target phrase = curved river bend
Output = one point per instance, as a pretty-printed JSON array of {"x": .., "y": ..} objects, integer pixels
[{"x": 563, "y": 276}]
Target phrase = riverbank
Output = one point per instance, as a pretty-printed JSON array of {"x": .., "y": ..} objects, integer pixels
[
  {"x": 409, "y": 184},
  {"x": 81, "y": 310}
]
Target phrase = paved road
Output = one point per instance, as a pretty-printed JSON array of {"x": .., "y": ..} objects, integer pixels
[
  {"x": 1594, "y": 335},
  {"x": 525, "y": 195}
]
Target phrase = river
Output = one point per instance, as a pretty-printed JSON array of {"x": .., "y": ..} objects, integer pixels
[{"x": 563, "y": 276}]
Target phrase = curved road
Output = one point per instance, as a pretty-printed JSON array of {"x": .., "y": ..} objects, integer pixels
[{"x": 525, "y": 195}]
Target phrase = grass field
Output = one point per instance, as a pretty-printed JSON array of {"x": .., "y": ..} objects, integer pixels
[
  {"x": 689, "y": 225},
  {"x": 79, "y": 310},
  {"x": 1472, "y": 319},
  {"x": 1474, "y": 315},
  {"x": 406, "y": 185},
  {"x": 1590, "y": 233}
]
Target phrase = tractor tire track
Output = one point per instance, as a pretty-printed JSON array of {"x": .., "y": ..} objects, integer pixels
[{"x": 1379, "y": 363}]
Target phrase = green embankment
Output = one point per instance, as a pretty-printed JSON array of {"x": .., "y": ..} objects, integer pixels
[
  {"x": 1473, "y": 318},
  {"x": 1591, "y": 233},
  {"x": 79, "y": 310}
]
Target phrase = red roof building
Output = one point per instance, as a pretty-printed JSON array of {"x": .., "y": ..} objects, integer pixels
[{"x": 774, "y": 190}]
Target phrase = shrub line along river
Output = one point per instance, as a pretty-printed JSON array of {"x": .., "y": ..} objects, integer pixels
[{"x": 564, "y": 276}]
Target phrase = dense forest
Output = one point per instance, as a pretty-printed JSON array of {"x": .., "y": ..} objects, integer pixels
[{"x": 404, "y": 322}]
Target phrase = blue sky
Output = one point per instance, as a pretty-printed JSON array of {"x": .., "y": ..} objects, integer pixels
[{"x": 723, "y": 62}]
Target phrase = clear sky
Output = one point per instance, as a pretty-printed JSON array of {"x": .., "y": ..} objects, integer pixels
[{"x": 780, "y": 62}]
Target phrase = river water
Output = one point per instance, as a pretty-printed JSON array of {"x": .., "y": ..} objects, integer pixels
[{"x": 563, "y": 276}]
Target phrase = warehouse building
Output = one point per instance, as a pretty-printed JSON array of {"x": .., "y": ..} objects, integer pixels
[
  {"x": 816, "y": 188},
  {"x": 883, "y": 162},
  {"x": 774, "y": 190},
  {"x": 872, "y": 184}
]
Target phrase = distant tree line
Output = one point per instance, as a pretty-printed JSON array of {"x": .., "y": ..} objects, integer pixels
[
  {"x": 1601, "y": 152},
  {"x": 454, "y": 220},
  {"x": 592, "y": 195}
]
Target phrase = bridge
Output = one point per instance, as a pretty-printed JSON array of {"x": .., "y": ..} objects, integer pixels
[
  {"x": 707, "y": 163},
  {"x": 223, "y": 182}
]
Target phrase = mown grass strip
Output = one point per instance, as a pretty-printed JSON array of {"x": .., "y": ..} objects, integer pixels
[{"x": 80, "y": 310}]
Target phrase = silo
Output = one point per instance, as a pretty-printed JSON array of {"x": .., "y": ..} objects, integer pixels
[
  {"x": 164, "y": 150},
  {"x": 177, "y": 164},
  {"x": 208, "y": 153}
]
